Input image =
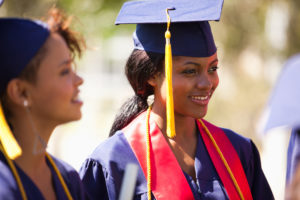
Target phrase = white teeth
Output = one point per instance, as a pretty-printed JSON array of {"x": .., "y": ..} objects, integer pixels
[{"x": 200, "y": 98}]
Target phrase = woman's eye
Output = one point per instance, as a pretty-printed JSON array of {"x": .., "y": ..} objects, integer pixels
[
  {"x": 213, "y": 69},
  {"x": 65, "y": 71},
  {"x": 189, "y": 71}
]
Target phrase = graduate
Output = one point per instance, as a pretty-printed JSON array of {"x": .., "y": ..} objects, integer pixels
[
  {"x": 179, "y": 154},
  {"x": 283, "y": 111},
  {"x": 38, "y": 91}
]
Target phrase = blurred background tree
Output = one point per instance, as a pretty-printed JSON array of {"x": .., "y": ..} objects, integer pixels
[{"x": 254, "y": 38}]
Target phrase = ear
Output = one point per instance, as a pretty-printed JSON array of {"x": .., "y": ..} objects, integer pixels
[
  {"x": 153, "y": 81},
  {"x": 17, "y": 91}
]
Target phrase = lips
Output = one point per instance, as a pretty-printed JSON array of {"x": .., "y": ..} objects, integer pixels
[
  {"x": 76, "y": 99},
  {"x": 202, "y": 99}
]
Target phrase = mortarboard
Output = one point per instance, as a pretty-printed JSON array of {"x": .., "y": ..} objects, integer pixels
[
  {"x": 20, "y": 40},
  {"x": 189, "y": 33},
  {"x": 283, "y": 107}
]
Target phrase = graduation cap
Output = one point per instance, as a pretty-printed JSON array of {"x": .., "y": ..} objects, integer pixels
[
  {"x": 188, "y": 30},
  {"x": 283, "y": 107},
  {"x": 20, "y": 40}
]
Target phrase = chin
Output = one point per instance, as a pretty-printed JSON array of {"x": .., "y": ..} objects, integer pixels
[
  {"x": 77, "y": 117},
  {"x": 73, "y": 117},
  {"x": 201, "y": 114}
]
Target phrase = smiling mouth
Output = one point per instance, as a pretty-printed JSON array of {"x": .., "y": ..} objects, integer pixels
[
  {"x": 76, "y": 99},
  {"x": 200, "y": 98}
]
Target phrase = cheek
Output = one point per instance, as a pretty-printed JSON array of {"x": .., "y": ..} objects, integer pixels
[
  {"x": 160, "y": 89},
  {"x": 57, "y": 93},
  {"x": 215, "y": 82}
]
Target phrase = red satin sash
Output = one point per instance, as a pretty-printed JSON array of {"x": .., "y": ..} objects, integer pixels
[
  {"x": 231, "y": 157},
  {"x": 168, "y": 180}
]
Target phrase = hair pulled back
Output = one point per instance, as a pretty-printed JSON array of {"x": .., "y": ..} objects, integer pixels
[{"x": 140, "y": 67}]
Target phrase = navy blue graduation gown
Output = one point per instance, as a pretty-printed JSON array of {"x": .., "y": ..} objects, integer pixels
[
  {"x": 103, "y": 171},
  {"x": 9, "y": 189},
  {"x": 293, "y": 155}
]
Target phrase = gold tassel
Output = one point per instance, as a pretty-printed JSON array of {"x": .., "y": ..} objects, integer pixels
[
  {"x": 168, "y": 72},
  {"x": 10, "y": 145}
]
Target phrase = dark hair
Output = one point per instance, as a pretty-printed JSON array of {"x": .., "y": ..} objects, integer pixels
[
  {"x": 59, "y": 23},
  {"x": 140, "y": 67}
]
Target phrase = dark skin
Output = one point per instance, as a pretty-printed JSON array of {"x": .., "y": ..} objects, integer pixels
[{"x": 194, "y": 81}]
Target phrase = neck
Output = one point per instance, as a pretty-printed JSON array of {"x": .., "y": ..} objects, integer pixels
[
  {"x": 185, "y": 126},
  {"x": 33, "y": 152}
]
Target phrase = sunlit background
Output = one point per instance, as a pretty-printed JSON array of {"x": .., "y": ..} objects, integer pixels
[{"x": 254, "y": 39}]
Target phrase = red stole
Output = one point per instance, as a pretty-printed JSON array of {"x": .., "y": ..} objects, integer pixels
[
  {"x": 168, "y": 179},
  {"x": 231, "y": 157}
]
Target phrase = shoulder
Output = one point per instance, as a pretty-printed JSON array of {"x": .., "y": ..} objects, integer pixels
[
  {"x": 63, "y": 167},
  {"x": 8, "y": 185},
  {"x": 103, "y": 170},
  {"x": 239, "y": 142},
  {"x": 244, "y": 147},
  {"x": 71, "y": 177},
  {"x": 111, "y": 156},
  {"x": 115, "y": 148}
]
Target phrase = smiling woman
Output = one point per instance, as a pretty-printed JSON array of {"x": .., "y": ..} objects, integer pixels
[
  {"x": 55, "y": 92},
  {"x": 38, "y": 91},
  {"x": 179, "y": 154},
  {"x": 195, "y": 78}
]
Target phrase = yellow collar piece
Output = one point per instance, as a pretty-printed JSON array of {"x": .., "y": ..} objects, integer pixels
[
  {"x": 11, "y": 150},
  {"x": 168, "y": 73},
  {"x": 7, "y": 139},
  {"x": 18, "y": 179},
  {"x": 15, "y": 172}
]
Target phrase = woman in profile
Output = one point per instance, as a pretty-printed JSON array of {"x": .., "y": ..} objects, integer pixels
[{"x": 38, "y": 91}]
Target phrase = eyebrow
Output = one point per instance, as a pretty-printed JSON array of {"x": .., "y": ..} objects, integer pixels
[
  {"x": 192, "y": 63},
  {"x": 215, "y": 60},
  {"x": 65, "y": 62},
  {"x": 197, "y": 64}
]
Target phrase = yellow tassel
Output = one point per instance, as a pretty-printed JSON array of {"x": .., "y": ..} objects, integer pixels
[
  {"x": 10, "y": 145},
  {"x": 168, "y": 72},
  {"x": 148, "y": 154}
]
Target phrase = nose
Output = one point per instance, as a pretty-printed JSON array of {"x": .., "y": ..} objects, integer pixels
[
  {"x": 204, "y": 82},
  {"x": 78, "y": 80}
]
